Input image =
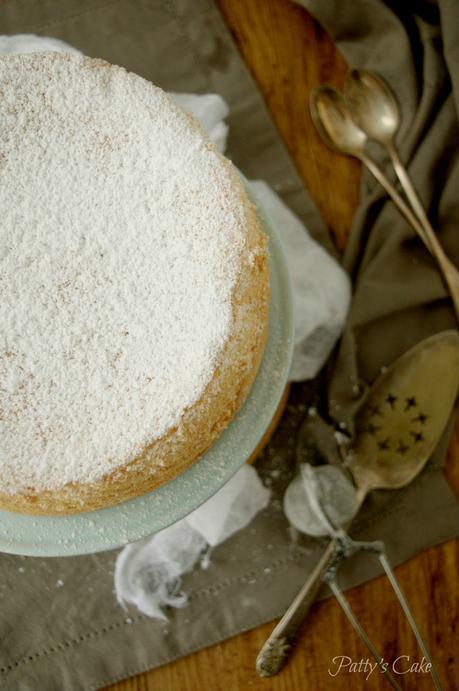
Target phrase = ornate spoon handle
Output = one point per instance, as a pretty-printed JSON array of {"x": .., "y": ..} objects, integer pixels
[{"x": 276, "y": 650}]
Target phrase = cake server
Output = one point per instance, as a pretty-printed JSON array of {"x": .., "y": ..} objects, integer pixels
[{"x": 400, "y": 425}]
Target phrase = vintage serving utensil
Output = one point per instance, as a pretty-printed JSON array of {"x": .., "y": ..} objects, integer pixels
[
  {"x": 334, "y": 121},
  {"x": 373, "y": 107},
  {"x": 398, "y": 429},
  {"x": 320, "y": 511},
  {"x": 375, "y": 110},
  {"x": 346, "y": 549}
]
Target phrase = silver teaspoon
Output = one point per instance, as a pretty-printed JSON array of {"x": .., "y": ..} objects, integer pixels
[
  {"x": 335, "y": 124},
  {"x": 374, "y": 108}
]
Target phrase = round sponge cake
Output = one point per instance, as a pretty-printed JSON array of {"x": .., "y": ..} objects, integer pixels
[{"x": 133, "y": 286}]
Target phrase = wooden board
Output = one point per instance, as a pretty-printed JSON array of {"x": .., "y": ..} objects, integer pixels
[{"x": 288, "y": 54}]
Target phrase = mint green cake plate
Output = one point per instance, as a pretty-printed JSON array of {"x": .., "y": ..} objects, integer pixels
[{"x": 84, "y": 533}]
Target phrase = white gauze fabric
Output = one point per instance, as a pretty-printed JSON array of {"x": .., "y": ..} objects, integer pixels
[
  {"x": 148, "y": 573},
  {"x": 29, "y": 43}
]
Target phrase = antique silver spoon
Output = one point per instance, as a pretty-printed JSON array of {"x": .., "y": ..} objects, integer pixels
[
  {"x": 397, "y": 431},
  {"x": 333, "y": 121},
  {"x": 335, "y": 124},
  {"x": 374, "y": 108}
]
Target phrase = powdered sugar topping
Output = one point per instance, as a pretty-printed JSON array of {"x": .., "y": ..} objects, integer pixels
[{"x": 120, "y": 243}]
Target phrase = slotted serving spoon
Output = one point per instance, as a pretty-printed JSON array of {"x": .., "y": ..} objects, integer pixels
[
  {"x": 398, "y": 429},
  {"x": 405, "y": 415}
]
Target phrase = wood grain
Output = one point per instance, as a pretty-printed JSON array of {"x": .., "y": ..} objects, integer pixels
[{"x": 288, "y": 54}]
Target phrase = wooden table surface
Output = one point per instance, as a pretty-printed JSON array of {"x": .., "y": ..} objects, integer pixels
[{"x": 288, "y": 54}]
